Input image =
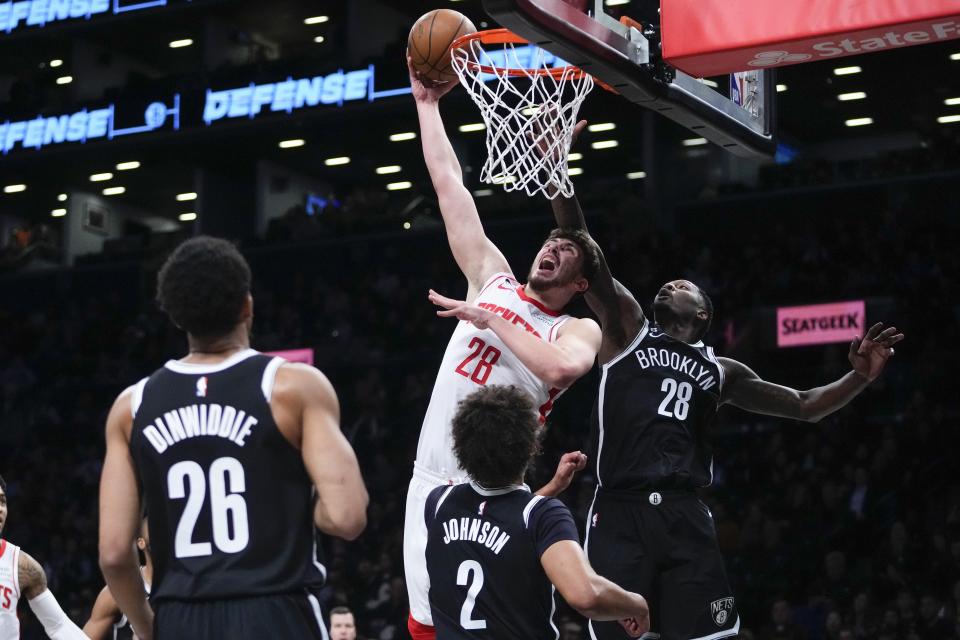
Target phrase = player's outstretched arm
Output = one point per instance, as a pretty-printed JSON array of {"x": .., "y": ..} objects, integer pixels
[
  {"x": 120, "y": 520},
  {"x": 477, "y": 257},
  {"x": 304, "y": 395},
  {"x": 104, "y": 615},
  {"x": 617, "y": 309},
  {"x": 33, "y": 584},
  {"x": 559, "y": 363},
  {"x": 745, "y": 389},
  {"x": 619, "y": 312},
  {"x": 592, "y": 595}
]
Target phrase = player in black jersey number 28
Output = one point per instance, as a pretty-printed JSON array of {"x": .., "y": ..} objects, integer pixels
[
  {"x": 494, "y": 548},
  {"x": 660, "y": 388},
  {"x": 238, "y": 456}
]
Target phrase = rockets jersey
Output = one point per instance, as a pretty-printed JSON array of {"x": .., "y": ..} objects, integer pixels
[
  {"x": 483, "y": 556},
  {"x": 657, "y": 401},
  {"x": 9, "y": 590},
  {"x": 477, "y": 357},
  {"x": 229, "y": 499}
]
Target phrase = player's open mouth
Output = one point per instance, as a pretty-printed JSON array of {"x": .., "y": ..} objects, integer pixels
[{"x": 547, "y": 264}]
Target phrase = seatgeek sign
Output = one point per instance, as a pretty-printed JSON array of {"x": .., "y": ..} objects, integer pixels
[
  {"x": 715, "y": 37},
  {"x": 40, "y": 13},
  {"x": 820, "y": 323}
]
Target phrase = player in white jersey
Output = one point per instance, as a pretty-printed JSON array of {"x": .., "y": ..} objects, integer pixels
[
  {"x": 22, "y": 577},
  {"x": 510, "y": 334}
]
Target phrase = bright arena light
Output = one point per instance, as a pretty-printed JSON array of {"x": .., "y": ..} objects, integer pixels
[
  {"x": 604, "y": 144},
  {"x": 846, "y": 71}
]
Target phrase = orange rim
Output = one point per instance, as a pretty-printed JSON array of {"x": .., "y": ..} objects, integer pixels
[{"x": 505, "y": 36}]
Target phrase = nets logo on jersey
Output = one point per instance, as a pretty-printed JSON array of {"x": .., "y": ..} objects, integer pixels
[
  {"x": 483, "y": 505},
  {"x": 202, "y": 387},
  {"x": 720, "y": 610}
]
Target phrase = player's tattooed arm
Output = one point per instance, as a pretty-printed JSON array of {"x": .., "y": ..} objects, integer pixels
[
  {"x": 745, "y": 389},
  {"x": 33, "y": 580}
]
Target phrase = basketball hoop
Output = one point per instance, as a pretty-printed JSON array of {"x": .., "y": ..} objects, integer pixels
[{"x": 529, "y": 106}]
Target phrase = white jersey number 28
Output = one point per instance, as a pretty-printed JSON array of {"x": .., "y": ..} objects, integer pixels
[
  {"x": 682, "y": 392},
  {"x": 224, "y": 507}
]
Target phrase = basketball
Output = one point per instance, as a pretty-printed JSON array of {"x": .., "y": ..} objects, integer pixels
[{"x": 430, "y": 40}]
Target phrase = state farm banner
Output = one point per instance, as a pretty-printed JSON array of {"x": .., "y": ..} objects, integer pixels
[
  {"x": 820, "y": 323},
  {"x": 294, "y": 355},
  {"x": 715, "y": 37}
]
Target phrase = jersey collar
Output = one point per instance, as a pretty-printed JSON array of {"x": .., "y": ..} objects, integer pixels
[
  {"x": 3, "y": 547},
  {"x": 194, "y": 368},
  {"x": 539, "y": 305},
  {"x": 499, "y": 491}
]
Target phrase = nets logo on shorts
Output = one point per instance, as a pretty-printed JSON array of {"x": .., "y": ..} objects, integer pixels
[{"x": 720, "y": 610}]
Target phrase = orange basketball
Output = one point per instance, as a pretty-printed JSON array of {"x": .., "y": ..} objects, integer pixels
[{"x": 430, "y": 40}]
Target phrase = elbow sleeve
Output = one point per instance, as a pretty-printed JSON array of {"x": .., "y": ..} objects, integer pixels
[{"x": 55, "y": 622}]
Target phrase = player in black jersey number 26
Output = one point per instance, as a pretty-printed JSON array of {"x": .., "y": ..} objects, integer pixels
[
  {"x": 495, "y": 551},
  {"x": 238, "y": 457},
  {"x": 660, "y": 388}
]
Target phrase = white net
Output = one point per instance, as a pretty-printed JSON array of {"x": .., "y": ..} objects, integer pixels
[{"x": 529, "y": 100}]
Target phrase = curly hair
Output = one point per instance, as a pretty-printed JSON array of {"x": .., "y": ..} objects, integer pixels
[
  {"x": 202, "y": 286},
  {"x": 496, "y": 434},
  {"x": 3, "y": 484},
  {"x": 588, "y": 248}
]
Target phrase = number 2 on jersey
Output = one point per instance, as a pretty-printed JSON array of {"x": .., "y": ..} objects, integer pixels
[
  {"x": 488, "y": 357},
  {"x": 463, "y": 577},
  {"x": 224, "y": 506},
  {"x": 683, "y": 393}
]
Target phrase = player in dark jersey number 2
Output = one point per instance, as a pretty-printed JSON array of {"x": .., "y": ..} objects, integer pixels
[
  {"x": 660, "y": 388},
  {"x": 238, "y": 457},
  {"x": 493, "y": 547}
]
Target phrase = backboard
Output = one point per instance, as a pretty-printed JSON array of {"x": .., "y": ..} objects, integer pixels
[{"x": 738, "y": 116}]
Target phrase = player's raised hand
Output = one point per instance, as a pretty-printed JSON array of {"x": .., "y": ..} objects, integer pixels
[
  {"x": 869, "y": 354},
  {"x": 424, "y": 89},
  {"x": 570, "y": 463},
  {"x": 460, "y": 309}
]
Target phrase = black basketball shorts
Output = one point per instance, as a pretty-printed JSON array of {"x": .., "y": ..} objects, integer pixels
[
  {"x": 662, "y": 545},
  {"x": 283, "y": 617}
]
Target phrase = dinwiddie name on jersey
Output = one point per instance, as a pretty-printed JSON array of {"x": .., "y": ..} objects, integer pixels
[
  {"x": 475, "y": 530},
  {"x": 210, "y": 420},
  {"x": 653, "y": 357}
]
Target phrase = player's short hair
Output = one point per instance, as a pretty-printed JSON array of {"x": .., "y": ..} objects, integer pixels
[
  {"x": 588, "y": 248},
  {"x": 495, "y": 434},
  {"x": 3, "y": 484},
  {"x": 340, "y": 611},
  {"x": 708, "y": 307},
  {"x": 202, "y": 286}
]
